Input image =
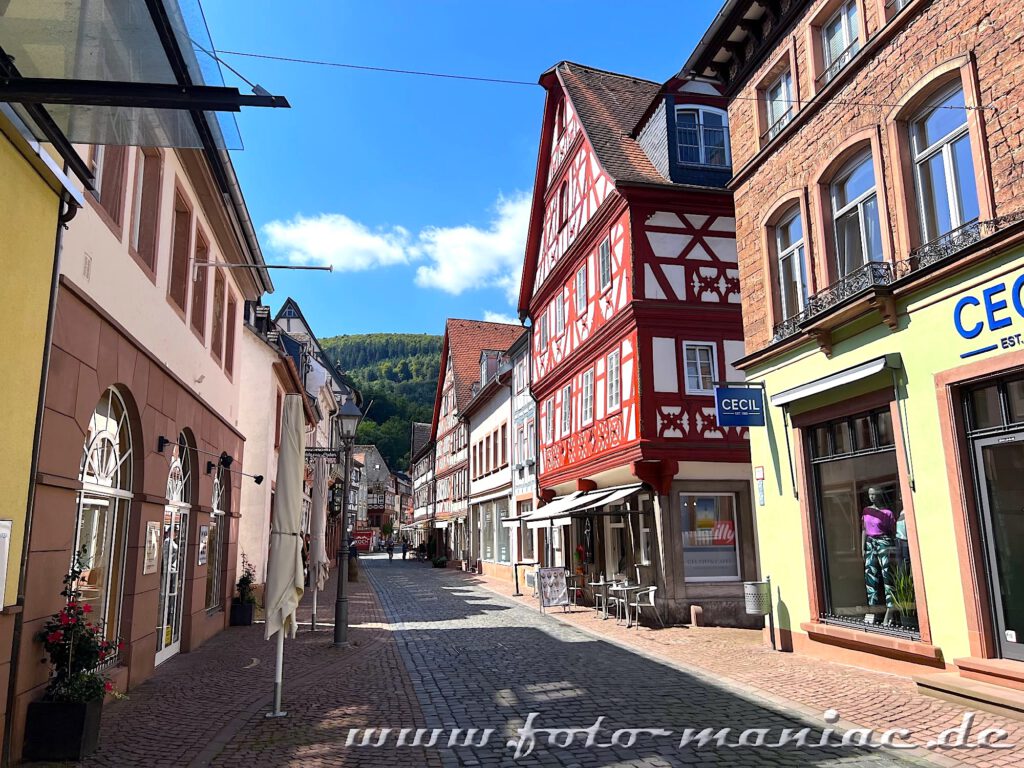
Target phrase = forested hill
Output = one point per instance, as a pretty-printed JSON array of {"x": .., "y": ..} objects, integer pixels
[{"x": 398, "y": 371}]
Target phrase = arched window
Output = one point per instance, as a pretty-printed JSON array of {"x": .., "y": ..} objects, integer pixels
[
  {"x": 103, "y": 508},
  {"x": 217, "y": 540},
  {"x": 173, "y": 560},
  {"x": 943, "y": 165},
  {"x": 858, "y": 237},
  {"x": 791, "y": 263}
]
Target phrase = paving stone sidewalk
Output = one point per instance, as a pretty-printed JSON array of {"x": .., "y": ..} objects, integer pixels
[
  {"x": 207, "y": 707},
  {"x": 863, "y": 697}
]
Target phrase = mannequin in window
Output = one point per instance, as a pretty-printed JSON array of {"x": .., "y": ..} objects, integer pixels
[
  {"x": 878, "y": 540},
  {"x": 902, "y": 546}
]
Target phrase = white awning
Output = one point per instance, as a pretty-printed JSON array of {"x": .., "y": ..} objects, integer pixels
[
  {"x": 552, "y": 508},
  {"x": 549, "y": 522},
  {"x": 505, "y": 492},
  {"x": 578, "y": 502},
  {"x": 611, "y": 496},
  {"x": 848, "y": 376}
]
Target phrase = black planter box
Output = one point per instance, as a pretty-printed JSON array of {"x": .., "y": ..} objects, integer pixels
[
  {"x": 241, "y": 614},
  {"x": 61, "y": 731}
]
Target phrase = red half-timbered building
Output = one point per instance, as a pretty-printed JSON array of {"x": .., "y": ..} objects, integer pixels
[
  {"x": 632, "y": 289},
  {"x": 464, "y": 341}
]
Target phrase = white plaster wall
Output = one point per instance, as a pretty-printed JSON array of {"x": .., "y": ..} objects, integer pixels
[
  {"x": 489, "y": 419},
  {"x": 94, "y": 259}
]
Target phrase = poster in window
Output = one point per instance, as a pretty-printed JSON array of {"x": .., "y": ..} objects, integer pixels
[
  {"x": 204, "y": 543},
  {"x": 152, "y": 553}
]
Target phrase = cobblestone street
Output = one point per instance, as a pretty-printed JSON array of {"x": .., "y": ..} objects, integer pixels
[{"x": 434, "y": 648}]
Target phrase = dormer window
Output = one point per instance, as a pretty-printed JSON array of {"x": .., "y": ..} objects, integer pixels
[{"x": 702, "y": 136}]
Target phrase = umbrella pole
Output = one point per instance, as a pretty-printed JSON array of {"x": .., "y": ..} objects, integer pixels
[
  {"x": 277, "y": 676},
  {"x": 313, "y": 619}
]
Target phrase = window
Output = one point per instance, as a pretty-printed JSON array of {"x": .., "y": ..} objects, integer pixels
[
  {"x": 862, "y": 531},
  {"x": 526, "y": 536},
  {"x": 710, "y": 550},
  {"x": 563, "y": 204},
  {"x": 229, "y": 336},
  {"x": 587, "y": 397},
  {"x": 702, "y": 136},
  {"x": 181, "y": 235},
  {"x": 544, "y": 331},
  {"x": 217, "y": 542},
  {"x": 778, "y": 98},
  {"x": 855, "y": 216},
  {"x": 604, "y": 263},
  {"x": 581, "y": 291},
  {"x": 789, "y": 248},
  {"x": 549, "y": 421},
  {"x": 566, "y": 409},
  {"x": 614, "y": 383},
  {"x": 200, "y": 286},
  {"x": 701, "y": 368},
  {"x": 646, "y": 549},
  {"x": 521, "y": 375},
  {"x": 530, "y": 454},
  {"x": 277, "y": 421},
  {"x": 839, "y": 41},
  {"x": 103, "y": 511},
  {"x": 504, "y": 532},
  {"x": 504, "y": 445},
  {"x": 217, "y": 335},
  {"x": 108, "y": 167},
  {"x": 146, "y": 206},
  {"x": 559, "y": 316},
  {"x": 487, "y": 531},
  {"x": 943, "y": 166}
]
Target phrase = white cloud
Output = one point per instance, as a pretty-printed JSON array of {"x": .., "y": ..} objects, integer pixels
[
  {"x": 498, "y": 317},
  {"x": 454, "y": 259},
  {"x": 336, "y": 240},
  {"x": 467, "y": 257}
]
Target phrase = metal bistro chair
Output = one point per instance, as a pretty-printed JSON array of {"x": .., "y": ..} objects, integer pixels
[
  {"x": 602, "y": 599},
  {"x": 616, "y": 601},
  {"x": 574, "y": 586},
  {"x": 644, "y": 598}
]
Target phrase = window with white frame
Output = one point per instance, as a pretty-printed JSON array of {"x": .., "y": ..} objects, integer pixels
[
  {"x": 216, "y": 541},
  {"x": 563, "y": 204},
  {"x": 581, "y": 291},
  {"x": 614, "y": 385},
  {"x": 778, "y": 102},
  {"x": 702, "y": 135},
  {"x": 544, "y": 330},
  {"x": 587, "y": 398},
  {"x": 943, "y": 165},
  {"x": 840, "y": 40},
  {"x": 566, "y": 409},
  {"x": 701, "y": 365},
  {"x": 549, "y": 421},
  {"x": 789, "y": 249},
  {"x": 646, "y": 540},
  {"x": 855, "y": 215},
  {"x": 530, "y": 453},
  {"x": 604, "y": 263},
  {"x": 559, "y": 316}
]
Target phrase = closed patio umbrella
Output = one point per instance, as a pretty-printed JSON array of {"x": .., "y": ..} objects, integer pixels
[
  {"x": 284, "y": 569},
  {"x": 319, "y": 566}
]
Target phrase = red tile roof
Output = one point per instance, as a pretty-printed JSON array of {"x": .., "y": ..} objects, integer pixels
[{"x": 466, "y": 339}]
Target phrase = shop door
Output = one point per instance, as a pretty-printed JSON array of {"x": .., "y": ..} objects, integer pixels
[
  {"x": 1000, "y": 462},
  {"x": 172, "y": 582}
]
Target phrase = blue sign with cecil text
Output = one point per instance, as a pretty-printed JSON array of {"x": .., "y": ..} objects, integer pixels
[{"x": 739, "y": 406}]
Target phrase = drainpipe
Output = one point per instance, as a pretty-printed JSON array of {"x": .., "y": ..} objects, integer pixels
[{"x": 66, "y": 211}]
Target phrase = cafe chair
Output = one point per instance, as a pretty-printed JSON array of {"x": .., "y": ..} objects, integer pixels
[
  {"x": 573, "y": 583},
  {"x": 644, "y": 599}
]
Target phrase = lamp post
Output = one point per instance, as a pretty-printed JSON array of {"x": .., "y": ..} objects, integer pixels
[{"x": 350, "y": 416}]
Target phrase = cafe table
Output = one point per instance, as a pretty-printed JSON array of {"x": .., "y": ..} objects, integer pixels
[
  {"x": 626, "y": 592},
  {"x": 603, "y": 585}
]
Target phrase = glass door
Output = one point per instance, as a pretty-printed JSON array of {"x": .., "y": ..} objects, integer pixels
[
  {"x": 1000, "y": 462},
  {"x": 172, "y": 582}
]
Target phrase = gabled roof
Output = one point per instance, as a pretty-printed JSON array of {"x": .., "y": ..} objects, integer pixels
[
  {"x": 464, "y": 340},
  {"x": 291, "y": 309},
  {"x": 420, "y": 438}
]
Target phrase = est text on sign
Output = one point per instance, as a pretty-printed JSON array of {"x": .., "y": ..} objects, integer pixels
[{"x": 739, "y": 406}]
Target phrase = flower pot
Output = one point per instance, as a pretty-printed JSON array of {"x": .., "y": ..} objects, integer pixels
[
  {"x": 57, "y": 730},
  {"x": 241, "y": 614}
]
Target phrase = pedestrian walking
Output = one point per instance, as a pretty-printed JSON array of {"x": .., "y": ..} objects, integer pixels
[
  {"x": 391, "y": 549},
  {"x": 405, "y": 547}
]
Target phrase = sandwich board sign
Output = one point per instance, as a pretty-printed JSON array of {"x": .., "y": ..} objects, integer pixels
[{"x": 551, "y": 588}]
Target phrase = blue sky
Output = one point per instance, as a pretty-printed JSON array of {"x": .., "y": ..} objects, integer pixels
[{"x": 415, "y": 188}]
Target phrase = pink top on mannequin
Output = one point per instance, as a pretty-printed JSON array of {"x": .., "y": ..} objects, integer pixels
[{"x": 878, "y": 522}]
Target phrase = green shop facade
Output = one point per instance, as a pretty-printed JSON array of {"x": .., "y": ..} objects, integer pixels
[{"x": 893, "y": 459}]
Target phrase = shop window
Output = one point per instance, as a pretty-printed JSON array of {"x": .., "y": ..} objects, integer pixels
[
  {"x": 943, "y": 165},
  {"x": 646, "y": 539},
  {"x": 103, "y": 510},
  {"x": 858, "y": 236},
  {"x": 701, "y": 365},
  {"x": 487, "y": 531},
  {"x": 529, "y": 550},
  {"x": 867, "y": 576},
  {"x": 615, "y": 546},
  {"x": 200, "y": 286},
  {"x": 710, "y": 550},
  {"x": 216, "y": 542},
  {"x": 146, "y": 207},
  {"x": 504, "y": 532}
]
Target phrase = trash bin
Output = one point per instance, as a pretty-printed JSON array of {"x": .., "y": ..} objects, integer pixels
[{"x": 758, "y": 597}]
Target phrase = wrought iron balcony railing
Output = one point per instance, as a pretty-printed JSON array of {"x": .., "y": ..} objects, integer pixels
[
  {"x": 871, "y": 275},
  {"x": 776, "y": 128},
  {"x": 955, "y": 241},
  {"x": 838, "y": 64}
]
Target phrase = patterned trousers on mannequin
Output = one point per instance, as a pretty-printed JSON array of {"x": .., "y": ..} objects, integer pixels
[{"x": 877, "y": 573}]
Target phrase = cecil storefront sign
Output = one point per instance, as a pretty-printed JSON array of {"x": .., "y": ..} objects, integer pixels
[
  {"x": 739, "y": 406},
  {"x": 993, "y": 309}
]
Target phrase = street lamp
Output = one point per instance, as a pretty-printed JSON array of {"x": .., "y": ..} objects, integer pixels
[{"x": 349, "y": 415}]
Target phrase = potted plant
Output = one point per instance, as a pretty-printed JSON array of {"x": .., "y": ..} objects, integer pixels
[
  {"x": 901, "y": 595},
  {"x": 243, "y": 605},
  {"x": 65, "y": 723}
]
